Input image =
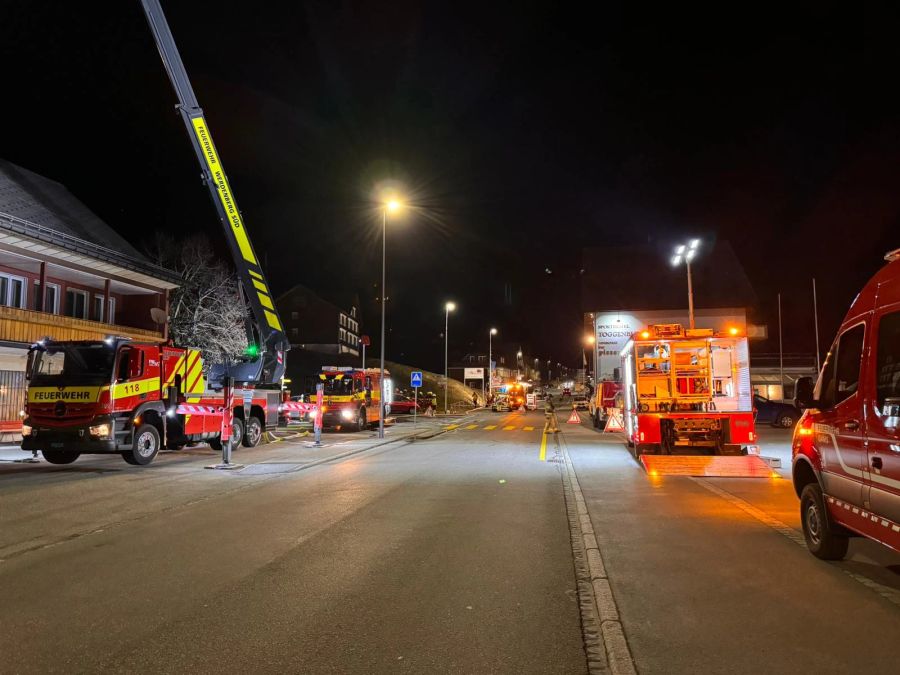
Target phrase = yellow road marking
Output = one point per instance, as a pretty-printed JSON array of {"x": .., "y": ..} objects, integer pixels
[
  {"x": 509, "y": 428},
  {"x": 451, "y": 426},
  {"x": 527, "y": 428},
  {"x": 543, "y": 455},
  {"x": 472, "y": 426},
  {"x": 491, "y": 427}
]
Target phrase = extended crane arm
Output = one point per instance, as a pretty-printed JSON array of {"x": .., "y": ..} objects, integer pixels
[{"x": 266, "y": 367}]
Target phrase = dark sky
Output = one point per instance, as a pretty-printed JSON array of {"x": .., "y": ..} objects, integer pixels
[{"x": 522, "y": 133}]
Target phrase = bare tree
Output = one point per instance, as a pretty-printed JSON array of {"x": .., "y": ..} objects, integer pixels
[{"x": 206, "y": 310}]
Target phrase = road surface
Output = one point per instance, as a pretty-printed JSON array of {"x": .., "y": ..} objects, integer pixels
[{"x": 448, "y": 554}]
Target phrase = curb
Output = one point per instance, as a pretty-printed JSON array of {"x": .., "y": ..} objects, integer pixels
[{"x": 605, "y": 644}]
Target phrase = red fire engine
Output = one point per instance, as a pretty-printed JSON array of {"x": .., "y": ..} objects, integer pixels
[
  {"x": 352, "y": 396},
  {"x": 118, "y": 396},
  {"x": 688, "y": 392}
]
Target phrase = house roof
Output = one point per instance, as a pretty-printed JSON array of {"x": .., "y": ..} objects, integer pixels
[
  {"x": 643, "y": 278},
  {"x": 39, "y": 208}
]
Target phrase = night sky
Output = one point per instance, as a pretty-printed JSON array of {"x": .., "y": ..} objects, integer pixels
[{"x": 522, "y": 134}]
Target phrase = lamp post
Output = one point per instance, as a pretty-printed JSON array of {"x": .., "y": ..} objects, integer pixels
[
  {"x": 491, "y": 334},
  {"x": 391, "y": 205},
  {"x": 519, "y": 364},
  {"x": 449, "y": 307},
  {"x": 686, "y": 252}
]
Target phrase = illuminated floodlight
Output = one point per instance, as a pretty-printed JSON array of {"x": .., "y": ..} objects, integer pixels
[
  {"x": 676, "y": 260},
  {"x": 694, "y": 243},
  {"x": 450, "y": 306},
  {"x": 680, "y": 250},
  {"x": 690, "y": 254}
]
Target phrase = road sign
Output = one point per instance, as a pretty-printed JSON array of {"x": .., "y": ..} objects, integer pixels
[
  {"x": 574, "y": 417},
  {"x": 415, "y": 379},
  {"x": 364, "y": 340},
  {"x": 473, "y": 373}
]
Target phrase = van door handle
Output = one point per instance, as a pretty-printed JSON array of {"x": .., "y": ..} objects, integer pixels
[
  {"x": 876, "y": 463},
  {"x": 851, "y": 425}
]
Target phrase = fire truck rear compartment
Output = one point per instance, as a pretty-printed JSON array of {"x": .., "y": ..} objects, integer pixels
[{"x": 696, "y": 435}]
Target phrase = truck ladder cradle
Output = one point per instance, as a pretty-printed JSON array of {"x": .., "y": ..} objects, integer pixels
[{"x": 268, "y": 365}]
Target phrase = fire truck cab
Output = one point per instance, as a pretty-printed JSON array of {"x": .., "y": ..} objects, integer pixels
[
  {"x": 352, "y": 396},
  {"x": 688, "y": 391}
]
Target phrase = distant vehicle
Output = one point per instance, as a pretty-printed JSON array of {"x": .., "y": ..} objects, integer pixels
[
  {"x": 580, "y": 401},
  {"x": 515, "y": 396},
  {"x": 846, "y": 465},
  {"x": 500, "y": 404},
  {"x": 404, "y": 404},
  {"x": 566, "y": 391},
  {"x": 606, "y": 396},
  {"x": 776, "y": 413}
]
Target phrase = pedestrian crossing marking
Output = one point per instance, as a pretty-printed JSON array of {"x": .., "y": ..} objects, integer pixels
[
  {"x": 472, "y": 426},
  {"x": 491, "y": 427},
  {"x": 508, "y": 428},
  {"x": 527, "y": 428}
]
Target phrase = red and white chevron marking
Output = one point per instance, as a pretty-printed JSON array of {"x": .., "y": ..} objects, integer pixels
[
  {"x": 297, "y": 406},
  {"x": 189, "y": 409}
]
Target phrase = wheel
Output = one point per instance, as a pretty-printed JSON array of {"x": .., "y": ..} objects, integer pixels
[
  {"x": 361, "y": 421},
  {"x": 823, "y": 538},
  {"x": 237, "y": 433},
  {"x": 252, "y": 433},
  {"x": 145, "y": 446},
  {"x": 786, "y": 421},
  {"x": 60, "y": 456}
]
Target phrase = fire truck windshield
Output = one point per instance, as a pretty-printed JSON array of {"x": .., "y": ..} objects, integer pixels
[
  {"x": 337, "y": 385},
  {"x": 67, "y": 364}
]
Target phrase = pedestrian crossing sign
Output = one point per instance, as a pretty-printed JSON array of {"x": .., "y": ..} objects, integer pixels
[{"x": 415, "y": 378}]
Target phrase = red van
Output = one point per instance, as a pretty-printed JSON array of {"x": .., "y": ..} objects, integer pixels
[{"x": 846, "y": 446}]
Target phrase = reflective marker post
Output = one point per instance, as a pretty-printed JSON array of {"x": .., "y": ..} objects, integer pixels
[
  {"x": 317, "y": 425},
  {"x": 227, "y": 421}
]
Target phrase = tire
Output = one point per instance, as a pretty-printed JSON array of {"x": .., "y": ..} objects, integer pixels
[
  {"x": 824, "y": 539},
  {"x": 237, "y": 433},
  {"x": 145, "y": 446},
  {"x": 253, "y": 432},
  {"x": 786, "y": 421},
  {"x": 361, "y": 421},
  {"x": 60, "y": 456}
]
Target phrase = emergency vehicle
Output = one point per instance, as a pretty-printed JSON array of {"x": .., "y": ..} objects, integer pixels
[
  {"x": 352, "y": 396},
  {"x": 688, "y": 392},
  {"x": 119, "y": 396},
  {"x": 607, "y": 396},
  {"x": 846, "y": 446}
]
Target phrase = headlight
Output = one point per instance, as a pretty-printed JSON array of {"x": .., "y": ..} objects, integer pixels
[
  {"x": 347, "y": 414},
  {"x": 100, "y": 430},
  {"x": 27, "y": 430}
]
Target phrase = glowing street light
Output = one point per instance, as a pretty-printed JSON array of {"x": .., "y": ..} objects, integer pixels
[
  {"x": 449, "y": 307},
  {"x": 389, "y": 206},
  {"x": 686, "y": 253}
]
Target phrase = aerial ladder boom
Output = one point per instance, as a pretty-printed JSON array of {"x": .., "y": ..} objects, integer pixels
[{"x": 265, "y": 332}]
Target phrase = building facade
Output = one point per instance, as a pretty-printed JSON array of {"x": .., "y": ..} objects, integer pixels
[
  {"x": 318, "y": 325},
  {"x": 66, "y": 274}
]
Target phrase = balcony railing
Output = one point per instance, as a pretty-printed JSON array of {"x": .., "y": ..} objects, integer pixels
[{"x": 23, "y": 325}]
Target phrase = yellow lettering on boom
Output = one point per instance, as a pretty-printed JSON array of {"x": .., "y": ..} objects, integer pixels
[{"x": 224, "y": 190}]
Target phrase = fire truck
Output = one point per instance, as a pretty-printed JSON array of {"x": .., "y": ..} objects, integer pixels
[
  {"x": 688, "y": 392},
  {"x": 352, "y": 396},
  {"x": 120, "y": 396}
]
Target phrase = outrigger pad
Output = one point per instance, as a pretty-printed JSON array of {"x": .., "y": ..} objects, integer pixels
[{"x": 747, "y": 466}]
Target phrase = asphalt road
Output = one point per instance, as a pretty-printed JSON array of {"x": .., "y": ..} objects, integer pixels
[{"x": 445, "y": 555}]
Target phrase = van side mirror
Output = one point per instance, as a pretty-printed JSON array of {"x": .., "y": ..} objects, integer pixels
[{"x": 803, "y": 393}]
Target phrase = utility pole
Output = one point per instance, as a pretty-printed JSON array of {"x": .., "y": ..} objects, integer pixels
[
  {"x": 816, "y": 321},
  {"x": 780, "y": 350}
]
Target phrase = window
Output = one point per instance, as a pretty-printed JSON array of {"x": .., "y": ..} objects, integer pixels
[
  {"x": 887, "y": 365},
  {"x": 76, "y": 303},
  {"x": 12, "y": 291},
  {"x": 343, "y": 335},
  {"x": 97, "y": 308},
  {"x": 294, "y": 332},
  {"x": 51, "y": 298},
  {"x": 840, "y": 374},
  {"x": 295, "y": 315}
]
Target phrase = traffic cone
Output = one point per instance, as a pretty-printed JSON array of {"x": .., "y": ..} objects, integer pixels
[{"x": 574, "y": 418}]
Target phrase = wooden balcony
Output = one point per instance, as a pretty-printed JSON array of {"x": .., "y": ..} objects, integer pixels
[{"x": 22, "y": 325}]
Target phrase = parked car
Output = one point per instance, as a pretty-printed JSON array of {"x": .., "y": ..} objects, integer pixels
[
  {"x": 846, "y": 464},
  {"x": 776, "y": 413},
  {"x": 405, "y": 405},
  {"x": 580, "y": 401}
]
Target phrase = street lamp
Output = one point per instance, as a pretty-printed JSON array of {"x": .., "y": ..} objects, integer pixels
[
  {"x": 491, "y": 335},
  {"x": 449, "y": 307},
  {"x": 518, "y": 361},
  {"x": 686, "y": 252},
  {"x": 390, "y": 206}
]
